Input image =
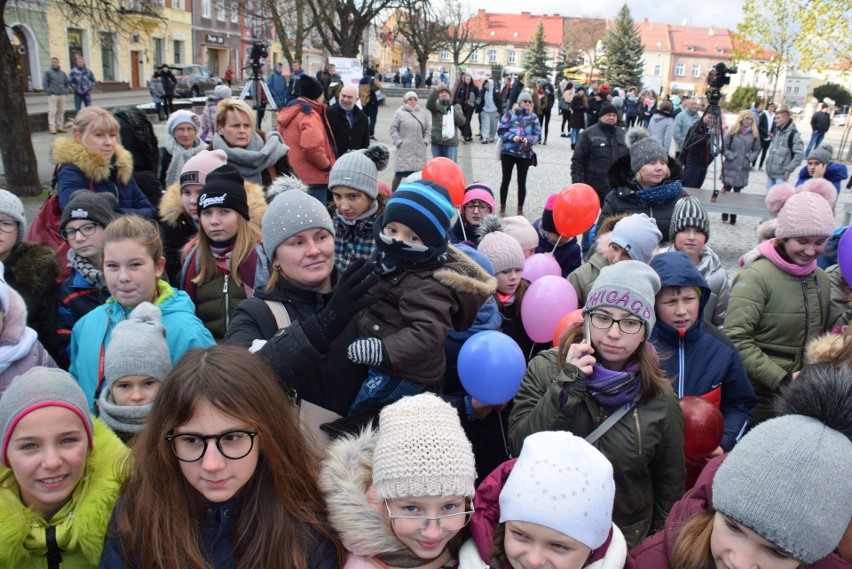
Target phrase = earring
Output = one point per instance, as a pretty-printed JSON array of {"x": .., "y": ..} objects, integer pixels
[{"x": 276, "y": 266}]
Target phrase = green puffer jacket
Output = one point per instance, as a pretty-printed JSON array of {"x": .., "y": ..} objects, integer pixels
[
  {"x": 772, "y": 315},
  {"x": 645, "y": 446}
]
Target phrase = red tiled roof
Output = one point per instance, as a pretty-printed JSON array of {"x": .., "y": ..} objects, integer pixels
[
  {"x": 748, "y": 46},
  {"x": 505, "y": 26},
  {"x": 655, "y": 36},
  {"x": 705, "y": 42}
]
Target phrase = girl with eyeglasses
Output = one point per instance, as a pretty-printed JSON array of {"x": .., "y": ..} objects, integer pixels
[
  {"x": 478, "y": 202},
  {"x": 222, "y": 476},
  {"x": 612, "y": 370},
  {"x": 399, "y": 495}
]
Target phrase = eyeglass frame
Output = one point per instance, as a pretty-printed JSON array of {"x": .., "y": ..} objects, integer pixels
[
  {"x": 11, "y": 229},
  {"x": 67, "y": 234},
  {"x": 470, "y": 206},
  {"x": 427, "y": 520},
  {"x": 172, "y": 436},
  {"x": 617, "y": 321}
]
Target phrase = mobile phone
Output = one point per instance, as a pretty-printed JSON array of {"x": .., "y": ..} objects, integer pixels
[{"x": 587, "y": 336}]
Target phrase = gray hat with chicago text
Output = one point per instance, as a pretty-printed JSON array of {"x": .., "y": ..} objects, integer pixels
[{"x": 629, "y": 285}]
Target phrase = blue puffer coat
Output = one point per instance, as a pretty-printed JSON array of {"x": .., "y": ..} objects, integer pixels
[{"x": 702, "y": 360}]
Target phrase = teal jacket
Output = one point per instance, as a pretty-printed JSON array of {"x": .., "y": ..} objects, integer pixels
[{"x": 184, "y": 331}]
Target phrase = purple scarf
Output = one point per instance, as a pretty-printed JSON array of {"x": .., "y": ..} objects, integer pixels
[{"x": 614, "y": 388}]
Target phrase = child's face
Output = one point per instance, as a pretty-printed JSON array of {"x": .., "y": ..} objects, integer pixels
[
  {"x": 47, "y": 454},
  {"x": 553, "y": 237},
  {"x": 215, "y": 476},
  {"x": 401, "y": 232},
  {"x": 529, "y": 253},
  {"x": 350, "y": 203},
  {"x": 87, "y": 246},
  {"x": 130, "y": 272},
  {"x": 219, "y": 223},
  {"x": 134, "y": 390},
  {"x": 508, "y": 281},
  {"x": 475, "y": 211},
  {"x": 690, "y": 241},
  {"x": 189, "y": 199},
  {"x": 530, "y": 545},
  {"x": 430, "y": 541},
  {"x": 803, "y": 250},
  {"x": 734, "y": 545},
  {"x": 616, "y": 253},
  {"x": 7, "y": 240},
  {"x": 613, "y": 347},
  {"x": 678, "y": 306}
]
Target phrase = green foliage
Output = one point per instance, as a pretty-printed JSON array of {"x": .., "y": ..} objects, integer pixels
[
  {"x": 623, "y": 52},
  {"x": 535, "y": 60},
  {"x": 825, "y": 33},
  {"x": 743, "y": 98},
  {"x": 833, "y": 91}
]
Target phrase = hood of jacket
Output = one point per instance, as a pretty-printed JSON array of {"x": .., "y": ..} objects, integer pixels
[
  {"x": 823, "y": 349},
  {"x": 14, "y": 321},
  {"x": 677, "y": 269},
  {"x": 462, "y": 274},
  {"x": 172, "y": 210},
  {"x": 620, "y": 175},
  {"x": 298, "y": 107},
  {"x": 137, "y": 136},
  {"x": 661, "y": 115},
  {"x": 80, "y": 525},
  {"x": 95, "y": 167}
]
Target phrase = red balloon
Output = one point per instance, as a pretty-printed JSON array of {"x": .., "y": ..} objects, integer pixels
[
  {"x": 570, "y": 318},
  {"x": 576, "y": 210},
  {"x": 703, "y": 426},
  {"x": 447, "y": 173}
]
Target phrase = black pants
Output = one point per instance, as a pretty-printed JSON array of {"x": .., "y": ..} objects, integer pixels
[
  {"x": 733, "y": 216},
  {"x": 508, "y": 162},
  {"x": 764, "y": 147},
  {"x": 168, "y": 104},
  {"x": 631, "y": 121},
  {"x": 566, "y": 118},
  {"x": 467, "y": 133},
  {"x": 544, "y": 119}
]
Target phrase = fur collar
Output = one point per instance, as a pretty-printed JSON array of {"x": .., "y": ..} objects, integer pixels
[
  {"x": 95, "y": 167},
  {"x": 823, "y": 349},
  {"x": 461, "y": 273},
  {"x": 32, "y": 269},
  {"x": 14, "y": 321},
  {"x": 620, "y": 175},
  {"x": 172, "y": 210}
]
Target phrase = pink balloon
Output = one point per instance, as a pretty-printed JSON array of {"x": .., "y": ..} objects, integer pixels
[
  {"x": 540, "y": 265},
  {"x": 545, "y": 303}
]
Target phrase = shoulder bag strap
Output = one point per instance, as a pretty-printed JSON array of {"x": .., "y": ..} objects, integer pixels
[
  {"x": 282, "y": 318},
  {"x": 610, "y": 421}
]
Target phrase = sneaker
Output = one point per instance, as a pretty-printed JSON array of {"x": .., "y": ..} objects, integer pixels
[
  {"x": 733, "y": 220},
  {"x": 724, "y": 217},
  {"x": 61, "y": 130},
  {"x": 53, "y": 131},
  {"x": 715, "y": 197}
]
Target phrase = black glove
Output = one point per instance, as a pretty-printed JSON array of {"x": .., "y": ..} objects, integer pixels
[{"x": 347, "y": 300}]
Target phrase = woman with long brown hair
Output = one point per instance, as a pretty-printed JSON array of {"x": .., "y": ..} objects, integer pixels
[
  {"x": 222, "y": 476},
  {"x": 613, "y": 371}
]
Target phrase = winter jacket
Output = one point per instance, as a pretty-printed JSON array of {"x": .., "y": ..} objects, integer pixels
[
  {"x": 157, "y": 91},
  {"x": 317, "y": 370},
  {"x": 348, "y": 137},
  {"x": 278, "y": 87},
  {"x": 662, "y": 129},
  {"x": 626, "y": 196},
  {"x": 367, "y": 87},
  {"x": 598, "y": 147},
  {"x": 656, "y": 551},
  {"x": 739, "y": 151},
  {"x": 834, "y": 173},
  {"x": 820, "y": 121},
  {"x": 839, "y": 309},
  {"x": 772, "y": 315},
  {"x": 567, "y": 254},
  {"x": 583, "y": 277},
  {"x": 345, "y": 478},
  {"x": 81, "y": 79},
  {"x": 579, "y": 107},
  {"x": 208, "y": 118},
  {"x": 80, "y": 167},
  {"x": 418, "y": 308},
  {"x": 683, "y": 122},
  {"x": 699, "y": 146},
  {"x": 304, "y": 127},
  {"x": 645, "y": 446},
  {"x": 169, "y": 82},
  {"x": 92, "y": 333},
  {"x": 467, "y": 95},
  {"x": 486, "y": 504},
  {"x": 354, "y": 240},
  {"x": 515, "y": 92},
  {"x": 410, "y": 132},
  {"x": 438, "y": 110},
  {"x": 714, "y": 274},
  {"x": 76, "y": 298},
  {"x": 177, "y": 228},
  {"x": 137, "y": 136},
  {"x": 631, "y": 106},
  {"x": 702, "y": 362},
  {"x": 520, "y": 123},
  {"x": 19, "y": 346},
  {"x": 55, "y": 82},
  {"x": 80, "y": 525},
  {"x": 786, "y": 151}
]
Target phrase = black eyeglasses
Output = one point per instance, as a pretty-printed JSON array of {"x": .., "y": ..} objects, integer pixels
[
  {"x": 85, "y": 230},
  {"x": 8, "y": 225},
  {"x": 190, "y": 447},
  {"x": 627, "y": 325},
  {"x": 473, "y": 206}
]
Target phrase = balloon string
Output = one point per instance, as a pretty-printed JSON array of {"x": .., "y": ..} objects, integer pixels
[
  {"x": 503, "y": 434},
  {"x": 529, "y": 357},
  {"x": 555, "y": 245},
  {"x": 464, "y": 233}
]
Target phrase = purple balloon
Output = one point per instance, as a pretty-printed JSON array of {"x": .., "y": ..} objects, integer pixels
[
  {"x": 844, "y": 255},
  {"x": 545, "y": 303},
  {"x": 540, "y": 265}
]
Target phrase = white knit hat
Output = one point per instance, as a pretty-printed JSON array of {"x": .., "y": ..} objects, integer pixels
[
  {"x": 422, "y": 450},
  {"x": 561, "y": 482}
]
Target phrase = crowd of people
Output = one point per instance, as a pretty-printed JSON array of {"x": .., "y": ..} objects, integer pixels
[{"x": 247, "y": 351}]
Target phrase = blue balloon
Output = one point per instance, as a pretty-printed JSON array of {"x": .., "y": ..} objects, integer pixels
[{"x": 491, "y": 366}]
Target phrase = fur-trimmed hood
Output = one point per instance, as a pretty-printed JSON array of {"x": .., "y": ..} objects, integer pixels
[
  {"x": 171, "y": 206},
  {"x": 823, "y": 348},
  {"x": 14, "y": 321},
  {"x": 620, "y": 175},
  {"x": 68, "y": 150},
  {"x": 461, "y": 273},
  {"x": 32, "y": 269}
]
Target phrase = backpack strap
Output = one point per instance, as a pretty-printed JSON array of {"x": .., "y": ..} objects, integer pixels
[{"x": 609, "y": 422}]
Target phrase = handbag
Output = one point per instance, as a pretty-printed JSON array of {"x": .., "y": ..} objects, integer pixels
[
  {"x": 534, "y": 159},
  {"x": 448, "y": 125},
  {"x": 379, "y": 95},
  {"x": 609, "y": 422}
]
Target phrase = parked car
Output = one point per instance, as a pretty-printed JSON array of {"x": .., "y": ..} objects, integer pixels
[
  {"x": 194, "y": 80},
  {"x": 839, "y": 120}
]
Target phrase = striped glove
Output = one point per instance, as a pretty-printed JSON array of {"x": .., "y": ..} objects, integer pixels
[{"x": 367, "y": 351}]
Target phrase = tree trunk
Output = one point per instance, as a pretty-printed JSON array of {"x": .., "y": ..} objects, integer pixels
[{"x": 16, "y": 145}]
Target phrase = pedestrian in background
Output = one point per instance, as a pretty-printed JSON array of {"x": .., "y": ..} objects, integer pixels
[
  {"x": 56, "y": 86},
  {"x": 519, "y": 131},
  {"x": 82, "y": 80}
]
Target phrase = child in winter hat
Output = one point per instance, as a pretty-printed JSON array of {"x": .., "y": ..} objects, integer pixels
[
  {"x": 523, "y": 231},
  {"x": 565, "y": 251},
  {"x": 820, "y": 167},
  {"x": 426, "y": 290},
  {"x": 634, "y": 237},
  {"x": 193, "y": 176},
  {"x": 136, "y": 361},
  {"x": 12, "y": 206},
  {"x": 478, "y": 201}
]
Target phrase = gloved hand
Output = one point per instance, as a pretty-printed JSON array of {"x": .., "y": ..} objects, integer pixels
[{"x": 367, "y": 351}]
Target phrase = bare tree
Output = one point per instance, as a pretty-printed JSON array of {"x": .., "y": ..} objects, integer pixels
[
  {"x": 465, "y": 34},
  {"x": 423, "y": 28},
  {"x": 581, "y": 37},
  {"x": 340, "y": 24},
  {"x": 291, "y": 20}
]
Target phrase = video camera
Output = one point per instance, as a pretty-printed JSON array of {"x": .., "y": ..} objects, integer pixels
[
  {"x": 719, "y": 76},
  {"x": 259, "y": 51}
]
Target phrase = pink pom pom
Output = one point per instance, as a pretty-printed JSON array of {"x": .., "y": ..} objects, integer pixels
[
  {"x": 777, "y": 197},
  {"x": 550, "y": 201},
  {"x": 822, "y": 187}
]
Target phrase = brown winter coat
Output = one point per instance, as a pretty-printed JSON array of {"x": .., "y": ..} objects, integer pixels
[
  {"x": 410, "y": 132},
  {"x": 305, "y": 129}
]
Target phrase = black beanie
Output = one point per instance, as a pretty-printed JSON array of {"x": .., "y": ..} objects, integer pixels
[
  {"x": 224, "y": 187},
  {"x": 310, "y": 88},
  {"x": 100, "y": 208},
  {"x": 607, "y": 109}
]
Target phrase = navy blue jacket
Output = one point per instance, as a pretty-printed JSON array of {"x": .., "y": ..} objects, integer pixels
[
  {"x": 75, "y": 298},
  {"x": 567, "y": 254},
  {"x": 702, "y": 360}
]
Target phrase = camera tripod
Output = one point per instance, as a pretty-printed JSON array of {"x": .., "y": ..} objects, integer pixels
[
  {"x": 715, "y": 141},
  {"x": 255, "y": 86}
]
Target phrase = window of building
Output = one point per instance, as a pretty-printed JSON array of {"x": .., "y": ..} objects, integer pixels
[
  {"x": 235, "y": 15},
  {"x": 512, "y": 56},
  {"x": 220, "y": 11},
  {"x": 75, "y": 46},
  {"x": 159, "y": 54},
  {"x": 795, "y": 90},
  {"x": 690, "y": 48},
  {"x": 696, "y": 71},
  {"x": 205, "y": 8},
  {"x": 658, "y": 69},
  {"x": 474, "y": 56},
  {"x": 680, "y": 69},
  {"x": 178, "y": 52},
  {"x": 492, "y": 55},
  {"x": 107, "y": 56},
  {"x": 444, "y": 55},
  {"x": 177, "y": 4}
]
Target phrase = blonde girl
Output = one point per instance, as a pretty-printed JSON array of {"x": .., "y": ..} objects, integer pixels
[{"x": 741, "y": 146}]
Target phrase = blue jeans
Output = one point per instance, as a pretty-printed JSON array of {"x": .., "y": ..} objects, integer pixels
[
  {"x": 320, "y": 192},
  {"x": 445, "y": 150},
  {"x": 694, "y": 176},
  {"x": 816, "y": 140},
  {"x": 773, "y": 181},
  {"x": 575, "y": 133},
  {"x": 82, "y": 100},
  {"x": 372, "y": 112},
  {"x": 380, "y": 389}
]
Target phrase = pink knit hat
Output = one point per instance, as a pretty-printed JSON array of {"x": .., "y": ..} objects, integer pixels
[
  {"x": 521, "y": 229},
  {"x": 479, "y": 191},
  {"x": 196, "y": 168},
  {"x": 805, "y": 214}
]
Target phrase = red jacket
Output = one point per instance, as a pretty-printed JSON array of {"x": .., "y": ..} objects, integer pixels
[{"x": 305, "y": 129}]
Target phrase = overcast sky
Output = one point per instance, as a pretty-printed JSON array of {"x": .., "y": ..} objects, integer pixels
[{"x": 722, "y": 13}]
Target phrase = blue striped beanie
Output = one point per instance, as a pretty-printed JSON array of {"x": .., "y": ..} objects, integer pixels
[{"x": 425, "y": 207}]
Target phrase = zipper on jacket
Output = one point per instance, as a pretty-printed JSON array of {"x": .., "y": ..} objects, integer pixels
[
  {"x": 638, "y": 431},
  {"x": 680, "y": 362},
  {"x": 227, "y": 304},
  {"x": 804, "y": 284},
  {"x": 819, "y": 298}
]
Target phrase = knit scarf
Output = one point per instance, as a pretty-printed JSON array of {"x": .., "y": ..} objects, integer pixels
[
  {"x": 85, "y": 267},
  {"x": 370, "y": 211},
  {"x": 392, "y": 255},
  {"x": 768, "y": 250},
  {"x": 614, "y": 388},
  {"x": 661, "y": 194},
  {"x": 122, "y": 418},
  {"x": 179, "y": 157},
  {"x": 222, "y": 254},
  {"x": 256, "y": 157}
]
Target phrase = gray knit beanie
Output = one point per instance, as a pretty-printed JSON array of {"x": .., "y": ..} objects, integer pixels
[
  {"x": 643, "y": 149},
  {"x": 629, "y": 285},
  {"x": 422, "y": 450},
  {"x": 99, "y": 207},
  {"x": 525, "y": 96},
  {"x": 689, "y": 212},
  {"x": 41, "y": 387},
  {"x": 822, "y": 154},
  {"x": 789, "y": 481},
  {"x": 638, "y": 235},
  {"x": 11, "y": 205},
  {"x": 359, "y": 170},
  {"x": 137, "y": 346},
  {"x": 291, "y": 211}
]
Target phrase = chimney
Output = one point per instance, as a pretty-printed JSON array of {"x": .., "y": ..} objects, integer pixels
[
  {"x": 480, "y": 13},
  {"x": 646, "y": 19},
  {"x": 525, "y": 15},
  {"x": 712, "y": 31}
]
